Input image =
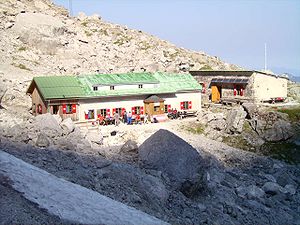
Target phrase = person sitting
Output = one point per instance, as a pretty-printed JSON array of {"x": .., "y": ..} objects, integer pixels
[{"x": 100, "y": 119}]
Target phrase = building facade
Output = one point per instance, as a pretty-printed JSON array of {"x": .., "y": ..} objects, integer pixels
[
  {"x": 244, "y": 86},
  {"x": 85, "y": 97}
]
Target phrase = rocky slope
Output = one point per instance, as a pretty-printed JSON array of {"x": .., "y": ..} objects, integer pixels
[{"x": 39, "y": 38}]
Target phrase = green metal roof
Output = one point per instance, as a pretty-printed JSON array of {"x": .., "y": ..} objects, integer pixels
[
  {"x": 57, "y": 87},
  {"x": 61, "y": 87},
  {"x": 118, "y": 79}
]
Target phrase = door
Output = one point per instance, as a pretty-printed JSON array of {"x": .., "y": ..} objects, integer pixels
[{"x": 215, "y": 94}]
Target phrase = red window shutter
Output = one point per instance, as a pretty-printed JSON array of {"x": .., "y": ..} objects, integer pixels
[
  {"x": 133, "y": 110},
  {"x": 114, "y": 111},
  {"x": 123, "y": 111},
  {"x": 142, "y": 110},
  {"x": 190, "y": 105},
  {"x": 181, "y": 105},
  {"x": 234, "y": 91},
  {"x": 86, "y": 116},
  {"x": 169, "y": 108},
  {"x": 74, "y": 108},
  {"x": 64, "y": 109}
]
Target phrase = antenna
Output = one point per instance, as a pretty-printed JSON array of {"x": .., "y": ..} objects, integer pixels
[
  {"x": 70, "y": 8},
  {"x": 265, "y": 57}
]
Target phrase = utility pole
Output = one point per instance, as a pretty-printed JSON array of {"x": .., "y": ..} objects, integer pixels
[
  {"x": 70, "y": 8},
  {"x": 265, "y": 57}
]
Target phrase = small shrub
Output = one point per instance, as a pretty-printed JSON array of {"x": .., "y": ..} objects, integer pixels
[
  {"x": 88, "y": 33},
  {"x": 206, "y": 67},
  {"x": 23, "y": 48},
  {"x": 21, "y": 66},
  {"x": 85, "y": 23}
]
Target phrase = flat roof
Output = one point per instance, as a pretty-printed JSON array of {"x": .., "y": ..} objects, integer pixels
[{"x": 230, "y": 73}]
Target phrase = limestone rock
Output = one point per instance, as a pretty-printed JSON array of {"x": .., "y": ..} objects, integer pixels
[
  {"x": 272, "y": 188},
  {"x": 168, "y": 153},
  {"x": 94, "y": 137},
  {"x": 129, "y": 146},
  {"x": 68, "y": 126},
  {"x": 251, "y": 109},
  {"x": 42, "y": 140},
  {"x": 235, "y": 120},
  {"x": 48, "y": 124}
]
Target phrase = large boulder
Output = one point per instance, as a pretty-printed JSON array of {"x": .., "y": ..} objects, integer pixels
[
  {"x": 48, "y": 124},
  {"x": 235, "y": 120},
  {"x": 168, "y": 153},
  {"x": 67, "y": 126},
  {"x": 272, "y": 126}
]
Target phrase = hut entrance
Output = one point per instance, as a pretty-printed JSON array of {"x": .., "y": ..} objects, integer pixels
[
  {"x": 154, "y": 105},
  {"x": 215, "y": 93}
]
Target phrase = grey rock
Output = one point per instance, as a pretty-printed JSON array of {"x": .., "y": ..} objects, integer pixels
[
  {"x": 94, "y": 137},
  {"x": 67, "y": 126},
  {"x": 251, "y": 109},
  {"x": 272, "y": 188},
  {"x": 254, "y": 192},
  {"x": 270, "y": 177},
  {"x": 272, "y": 126},
  {"x": 290, "y": 189},
  {"x": 166, "y": 152},
  {"x": 235, "y": 120},
  {"x": 280, "y": 131},
  {"x": 8, "y": 25},
  {"x": 129, "y": 146},
  {"x": 42, "y": 140},
  {"x": 48, "y": 124}
]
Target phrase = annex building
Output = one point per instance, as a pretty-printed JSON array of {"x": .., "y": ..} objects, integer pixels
[
  {"x": 84, "y": 97},
  {"x": 240, "y": 86}
]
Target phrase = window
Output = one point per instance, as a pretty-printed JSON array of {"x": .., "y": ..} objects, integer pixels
[
  {"x": 95, "y": 88},
  {"x": 156, "y": 108},
  {"x": 185, "y": 105},
  {"x": 140, "y": 86},
  {"x": 112, "y": 87},
  {"x": 166, "y": 109},
  {"x": 103, "y": 112},
  {"x": 68, "y": 109},
  {"x": 117, "y": 110},
  {"x": 90, "y": 114},
  {"x": 137, "y": 110}
]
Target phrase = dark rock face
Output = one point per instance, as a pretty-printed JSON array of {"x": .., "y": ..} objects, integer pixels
[{"x": 168, "y": 153}]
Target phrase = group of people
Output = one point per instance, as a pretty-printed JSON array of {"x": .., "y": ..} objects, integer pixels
[
  {"x": 129, "y": 118},
  {"x": 173, "y": 114},
  {"x": 126, "y": 117}
]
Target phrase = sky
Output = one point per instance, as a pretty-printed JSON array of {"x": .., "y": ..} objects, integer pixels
[{"x": 234, "y": 30}]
